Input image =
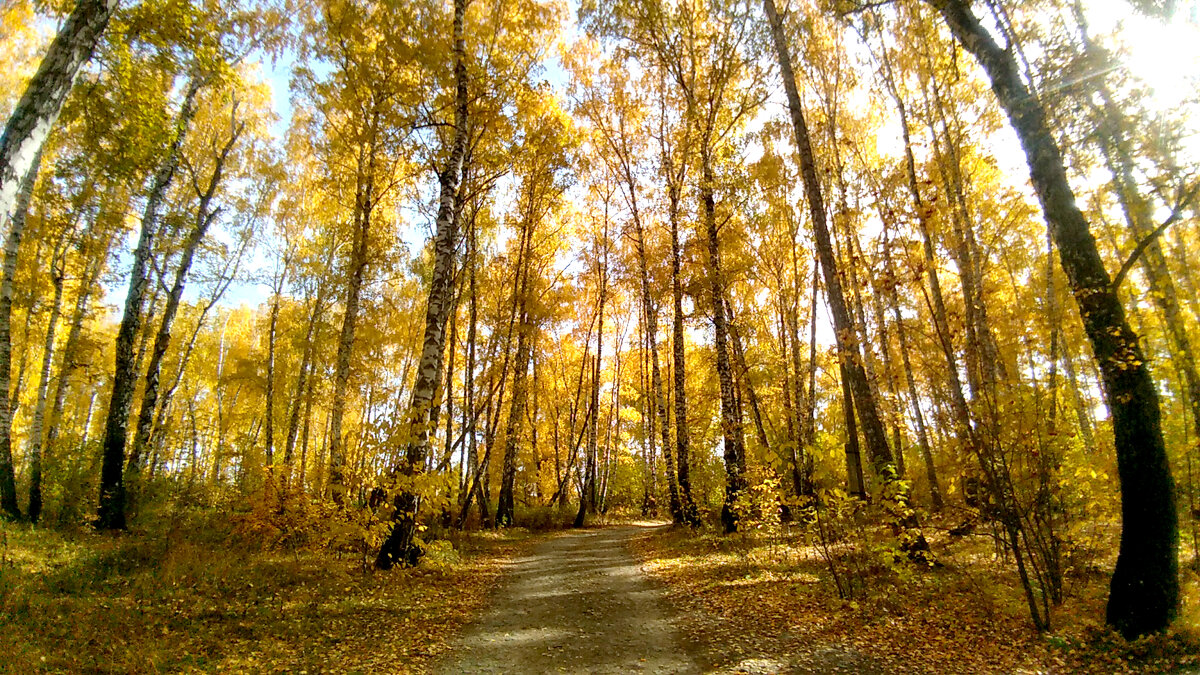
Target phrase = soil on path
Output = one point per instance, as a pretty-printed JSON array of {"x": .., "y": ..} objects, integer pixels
[{"x": 578, "y": 603}]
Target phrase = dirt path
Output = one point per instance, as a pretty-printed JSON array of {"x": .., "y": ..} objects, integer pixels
[{"x": 578, "y": 603}]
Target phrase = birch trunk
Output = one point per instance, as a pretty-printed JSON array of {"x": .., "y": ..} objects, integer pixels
[
  {"x": 39, "y": 413},
  {"x": 205, "y": 215},
  {"x": 506, "y": 507},
  {"x": 587, "y": 495},
  {"x": 398, "y": 547},
  {"x": 658, "y": 396},
  {"x": 731, "y": 420},
  {"x": 272, "y": 339},
  {"x": 363, "y": 206},
  {"x": 12, "y": 246},
  {"x": 111, "y": 512},
  {"x": 35, "y": 114},
  {"x": 679, "y": 357}
]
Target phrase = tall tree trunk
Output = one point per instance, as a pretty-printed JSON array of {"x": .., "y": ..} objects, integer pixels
[
  {"x": 93, "y": 266},
  {"x": 649, "y": 452},
  {"x": 1144, "y": 593},
  {"x": 364, "y": 203},
  {"x": 855, "y": 481},
  {"x": 935, "y": 489},
  {"x": 205, "y": 215},
  {"x": 650, "y": 314},
  {"x": 848, "y": 348},
  {"x": 12, "y": 246},
  {"x": 471, "y": 471},
  {"x": 158, "y": 429},
  {"x": 111, "y": 512},
  {"x": 308, "y": 404},
  {"x": 739, "y": 355},
  {"x": 805, "y": 410},
  {"x": 679, "y": 361},
  {"x": 35, "y": 114},
  {"x": 57, "y": 266},
  {"x": 272, "y": 339},
  {"x": 505, "y": 508},
  {"x": 810, "y": 429},
  {"x": 791, "y": 413},
  {"x": 399, "y": 544},
  {"x": 980, "y": 339},
  {"x": 306, "y": 363},
  {"x": 731, "y": 421},
  {"x": 941, "y": 322},
  {"x": 885, "y": 353},
  {"x": 587, "y": 496}
]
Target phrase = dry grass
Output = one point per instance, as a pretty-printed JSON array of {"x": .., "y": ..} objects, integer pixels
[
  {"x": 86, "y": 602},
  {"x": 747, "y": 600}
]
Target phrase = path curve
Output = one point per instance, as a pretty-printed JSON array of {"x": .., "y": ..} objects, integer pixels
[{"x": 578, "y": 603}]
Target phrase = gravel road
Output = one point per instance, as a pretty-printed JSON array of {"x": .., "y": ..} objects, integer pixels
[{"x": 578, "y": 603}]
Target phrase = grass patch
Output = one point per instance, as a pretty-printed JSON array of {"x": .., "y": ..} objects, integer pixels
[{"x": 86, "y": 602}]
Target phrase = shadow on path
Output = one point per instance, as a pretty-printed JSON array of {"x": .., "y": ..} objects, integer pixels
[{"x": 578, "y": 603}]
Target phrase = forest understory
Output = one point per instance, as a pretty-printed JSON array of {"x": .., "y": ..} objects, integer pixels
[
  {"x": 768, "y": 601},
  {"x": 198, "y": 597}
]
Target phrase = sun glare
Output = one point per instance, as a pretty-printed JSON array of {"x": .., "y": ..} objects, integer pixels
[{"x": 1163, "y": 54}]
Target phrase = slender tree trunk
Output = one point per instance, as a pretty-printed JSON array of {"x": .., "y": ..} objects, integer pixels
[
  {"x": 848, "y": 348},
  {"x": 855, "y": 484},
  {"x": 57, "y": 271},
  {"x": 8, "y": 404},
  {"x": 306, "y": 364},
  {"x": 649, "y": 451},
  {"x": 657, "y": 396},
  {"x": 364, "y": 204},
  {"x": 159, "y": 426},
  {"x": 272, "y": 334},
  {"x": 885, "y": 353},
  {"x": 679, "y": 364},
  {"x": 205, "y": 215},
  {"x": 111, "y": 512},
  {"x": 791, "y": 411},
  {"x": 91, "y": 274},
  {"x": 935, "y": 489},
  {"x": 1144, "y": 594},
  {"x": 731, "y": 421},
  {"x": 505, "y": 509},
  {"x": 805, "y": 411},
  {"x": 472, "y": 469},
  {"x": 399, "y": 544},
  {"x": 739, "y": 355},
  {"x": 308, "y": 404},
  {"x": 809, "y": 432},
  {"x": 940, "y": 320},
  {"x": 587, "y": 497}
]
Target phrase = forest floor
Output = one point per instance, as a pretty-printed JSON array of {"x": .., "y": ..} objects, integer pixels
[
  {"x": 768, "y": 604},
  {"x": 139, "y": 603},
  {"x": 626, "y": 598}
]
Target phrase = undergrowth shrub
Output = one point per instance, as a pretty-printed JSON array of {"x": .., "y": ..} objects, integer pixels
[
  {"x": 544, "y": 518},
  {"x": 441, "y": 556},
  {"x": 758, "y": 509}
]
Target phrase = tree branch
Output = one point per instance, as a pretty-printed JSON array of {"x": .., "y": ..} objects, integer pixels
[{"x": 1142, "y": 245}]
